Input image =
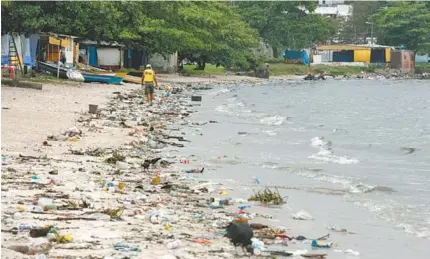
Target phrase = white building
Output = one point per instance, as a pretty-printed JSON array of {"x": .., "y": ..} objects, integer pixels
[{"x": 334, "y": 8}]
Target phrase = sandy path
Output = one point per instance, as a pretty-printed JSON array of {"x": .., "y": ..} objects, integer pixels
[{"x": 34, "y": 114}]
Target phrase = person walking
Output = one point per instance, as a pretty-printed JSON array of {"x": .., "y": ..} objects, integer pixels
[{"x": 150, "y": 81}]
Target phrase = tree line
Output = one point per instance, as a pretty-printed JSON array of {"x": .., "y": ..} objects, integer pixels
[{"x": 222, "y": 33}]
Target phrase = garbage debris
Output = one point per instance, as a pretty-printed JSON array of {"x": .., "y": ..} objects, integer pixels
[
  {"x": 302, "y": 215},
  {"x": 268, "y": 196},
  {"x": 352, "y": 252},
  {"x": 318, "y": 243},
  {"x": 126, "y": 247},
  {"x": 174, "y": 245}
]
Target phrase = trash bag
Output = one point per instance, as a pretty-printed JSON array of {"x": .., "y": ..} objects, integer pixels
[{"x": 75, "y": 75}]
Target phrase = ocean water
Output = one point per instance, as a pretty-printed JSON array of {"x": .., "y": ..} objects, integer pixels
[{"x": 354, "y": 153}]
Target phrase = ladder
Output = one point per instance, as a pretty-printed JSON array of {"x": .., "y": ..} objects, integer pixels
[{"x": 14, "y": 59}]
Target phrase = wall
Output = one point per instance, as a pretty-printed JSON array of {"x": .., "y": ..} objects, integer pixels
[
  {"x": 109, "y": 58},
  {"x": 168, "y": 64},
  {"x": 404, "y": 60},
  {"x": 69, "y": 52}
]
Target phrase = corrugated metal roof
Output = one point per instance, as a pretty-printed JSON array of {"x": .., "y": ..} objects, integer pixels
[
  {"x": 341, "y": 47},
  {"x": 101, "y": 43},
  {"x": 57, "y": 35},
  {"x": 351, "y": 47}
]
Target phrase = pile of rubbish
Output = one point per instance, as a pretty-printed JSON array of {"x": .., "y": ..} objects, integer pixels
[{"x": 131, "y": 201}]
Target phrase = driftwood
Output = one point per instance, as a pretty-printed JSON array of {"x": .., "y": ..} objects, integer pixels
[
  {"x": 31, "y": 157},
  {"x": 171, "y": 143},
  {"x": 176, "y": 137},
  {"x": 67, "y": 219}
]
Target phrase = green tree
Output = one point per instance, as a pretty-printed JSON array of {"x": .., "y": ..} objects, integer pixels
[
  {"x": 355, "y": 29},
  {"x": 404, "y": 23},
  {"x": 287, "y": 24},
  {"x": 206, "y": 31}
]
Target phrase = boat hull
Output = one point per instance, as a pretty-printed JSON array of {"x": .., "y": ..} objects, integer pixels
[
  {"x": 52, "y": 69},
  {"x": 132, "y": 79},
  {"x": 99, "y": 78}
]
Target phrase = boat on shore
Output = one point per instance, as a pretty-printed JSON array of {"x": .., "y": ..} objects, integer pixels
[
  {"x": 95, "y": 70},
  {"x": 52, "y": 68},
  {"x": 100, "y": 78},
  {"x": 132, "y": 79}
]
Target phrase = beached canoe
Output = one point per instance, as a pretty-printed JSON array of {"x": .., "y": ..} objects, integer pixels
[
  {"x": 52, "y": 69},
  {"x": 117, "y": 74},
  {"x": 132, "y": 79},
  {"x": 108, "y": 79}
]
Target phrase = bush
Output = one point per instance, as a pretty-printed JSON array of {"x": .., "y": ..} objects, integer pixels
[{"x": 274, "y": 61}]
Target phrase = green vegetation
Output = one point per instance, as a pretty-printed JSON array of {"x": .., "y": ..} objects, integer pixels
[
  {"x": 287, "y": 23},
  {"x": 223, "y": 33},
  {"x": 209, "y": 70},
  {"x": 404, "y": 23},
  {"x": 422, "y": 68}
]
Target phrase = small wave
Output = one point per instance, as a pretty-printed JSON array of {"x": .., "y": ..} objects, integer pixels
[
  {"x": 394, "y": 214},
  {"x": 319, "y": 142},
  {"x": 362, "y": 188},
  {"x": 221, "y": 91},
  {"x": 271, "y": 133},
  {"x": 325, "y": 153},
  {"x": 273, "y": 120},
  {"x": 326, "y": 156}
]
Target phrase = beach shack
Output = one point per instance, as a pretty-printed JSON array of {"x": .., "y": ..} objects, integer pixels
[
  {"x": 105, "y": 55},
  {"x": 50, "y": 45},
  {"x": 403, "y": 60},
  {"x": 351, "y": 54}
]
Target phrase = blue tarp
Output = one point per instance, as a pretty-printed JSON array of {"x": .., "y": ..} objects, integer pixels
[
  {"x": 5, "y": 49},
  {"x": 34, "y": 40},
  {"x": 26, "y": 53},
  {"x": 93, "y": 56},
  {"x": 422, "y": 58},
  {"x": 24, "y": 49},
  {"x": 299, "y": 56}
]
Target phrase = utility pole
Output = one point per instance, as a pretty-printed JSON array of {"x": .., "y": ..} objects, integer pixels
[{"x": 371, "y": 31}]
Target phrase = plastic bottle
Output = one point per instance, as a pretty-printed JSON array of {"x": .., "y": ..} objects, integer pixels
[
  {"x": 50, "y": 207},
  {"x": 318, "y": 243},
  {"x": 245, "y": 206},
  {"x": 51, "y": 236},
  {"x": 37, "y": 209},
  {"x": 101, "y": 216},
  {"x": 45, "y": 202},
  {"x": 174, "y": 245},
  {"x": 24, "y": 227},
  {"x": 17, "y": 216}
]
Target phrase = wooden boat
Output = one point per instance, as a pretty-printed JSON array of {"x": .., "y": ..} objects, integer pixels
[
  {"x": 117, "y": 74},
  {"x": 52, "y": 69},
  {"x": 99, "y": 71},
  {"x": 132, "y": 79},
  {"x": 108, "y": 79}
]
